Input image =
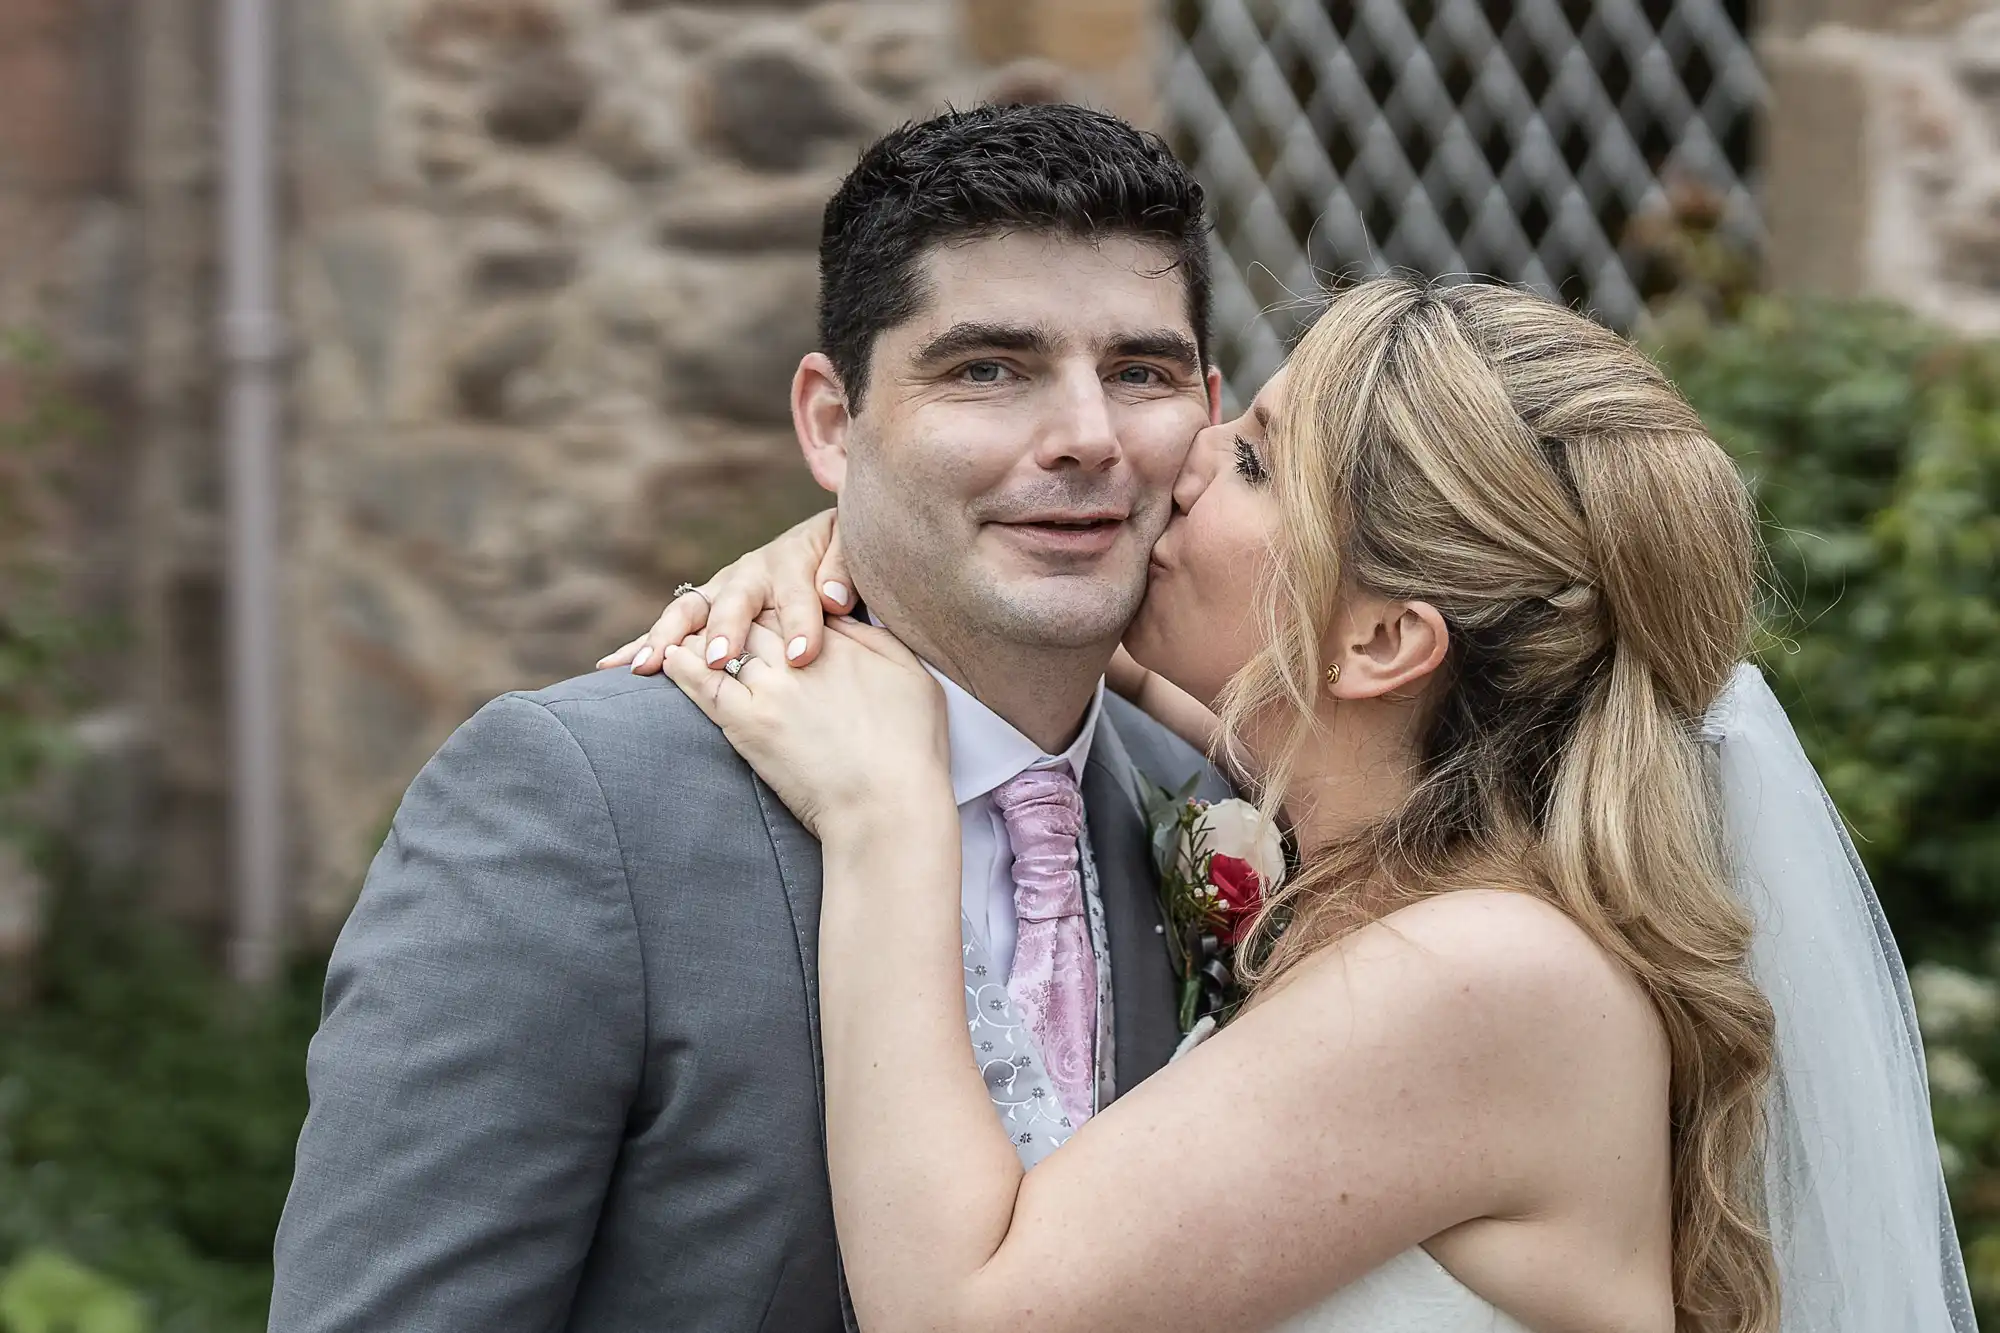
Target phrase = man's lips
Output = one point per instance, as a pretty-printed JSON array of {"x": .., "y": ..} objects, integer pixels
[{"x": 1070, "y": 534}]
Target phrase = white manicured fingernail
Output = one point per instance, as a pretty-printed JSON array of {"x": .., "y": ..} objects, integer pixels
[
  {"x": 717, "y": 650},
  {"x": 795, "y": 649},
  {"x": 645, "y": 656},
  {"x": 835, "y": 593}
]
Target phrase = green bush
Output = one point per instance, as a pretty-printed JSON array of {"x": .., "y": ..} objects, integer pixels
[
  {"x": 39, "y": 426},
  {"x": 1872, "y": 442},
  {"x": 147, "y": 1109},
  {"x": 48, "y": 1292},
  {"x": 148, "y": 1112}
]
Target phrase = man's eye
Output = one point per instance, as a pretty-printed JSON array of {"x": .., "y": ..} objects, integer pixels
[
  {"x": 985, "y": 372},
  {"x": 1139, "y": 376},
  {"x": 1248, "y": 465}
]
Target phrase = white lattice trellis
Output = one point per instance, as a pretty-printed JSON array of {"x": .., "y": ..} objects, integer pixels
[{"x": 1511, "y": 138}]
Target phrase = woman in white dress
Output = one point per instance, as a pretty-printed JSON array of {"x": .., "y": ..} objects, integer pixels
[{"x": 1459, "y": 591}]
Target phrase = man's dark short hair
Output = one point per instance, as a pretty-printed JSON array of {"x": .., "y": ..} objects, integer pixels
[{"x": 1061, "y": 169}]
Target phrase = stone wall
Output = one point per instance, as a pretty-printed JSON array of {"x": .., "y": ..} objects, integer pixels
[
  {"x": 549, "y": 267},
  {"x": 67, "y": 234},
  {"x": 552, "y": 271},
  {"x": 1882, "y": 153}
]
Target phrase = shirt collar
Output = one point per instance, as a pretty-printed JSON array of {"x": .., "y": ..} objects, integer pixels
[{"x": 987, "y": 750}]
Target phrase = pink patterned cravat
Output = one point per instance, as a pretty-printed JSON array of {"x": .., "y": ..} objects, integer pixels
[{"x": 1054, "y": 982}]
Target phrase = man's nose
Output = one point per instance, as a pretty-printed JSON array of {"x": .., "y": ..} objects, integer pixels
[{"x": 1082, "y": 429}]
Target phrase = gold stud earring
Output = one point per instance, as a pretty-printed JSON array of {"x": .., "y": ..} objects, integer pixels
[{"x": 1333, "y": 675}]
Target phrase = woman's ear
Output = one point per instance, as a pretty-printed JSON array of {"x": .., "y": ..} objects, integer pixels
[
  {"x": 1384, "y": 647},
  {"x": 821, "y": 420}
]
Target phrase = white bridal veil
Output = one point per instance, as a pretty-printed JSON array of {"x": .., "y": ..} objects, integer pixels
[{"x": 1856, "y": 1196}]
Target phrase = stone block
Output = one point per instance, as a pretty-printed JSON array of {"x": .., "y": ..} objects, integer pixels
[
  {"x": 506, "y": 258},
  {"x": 999, "y": 31},
  {"x": 735, "y": 334},
  {"x": 898, "y": 62},
  {"x": 50, "y": 131},
  {"x": 1817, "y": 188},
  {"x": 337, "y": 126},
  {"x": 635, "y": 135},
  {"x": 1031, "y": 81},
  {"x": 496, "y": 352},
  {"x": 769, "y": 99},
  {"x": 740, "y": 212},
  {"x": 457, "y": 38},
  {"x": 539, "y": 100},
  {"x": 1796, "y": 18},
  {"x": 1090, "y": 35},
  {"x": 24, "y": 21},
  {"x": 689, "y": 517}
]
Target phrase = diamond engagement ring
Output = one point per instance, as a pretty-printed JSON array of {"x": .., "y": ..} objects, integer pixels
[
  {"x": 687, "y": 588},
  {"x": 734, "y": 666}
]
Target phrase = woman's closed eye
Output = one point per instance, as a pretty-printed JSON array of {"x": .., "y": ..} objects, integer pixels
[{"x": 1248, "y": 465}]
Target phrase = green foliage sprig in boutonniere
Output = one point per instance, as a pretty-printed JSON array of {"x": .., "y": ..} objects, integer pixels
[{"x": 1217, "y": 861}]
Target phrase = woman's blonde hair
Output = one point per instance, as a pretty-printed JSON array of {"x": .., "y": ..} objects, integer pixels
[{"x": 1590, "y": 548}]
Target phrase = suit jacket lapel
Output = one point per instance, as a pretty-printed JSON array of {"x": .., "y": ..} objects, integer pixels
[
  {"x": 1142, "y": 978},
  {"x": 800, "y": 869}
]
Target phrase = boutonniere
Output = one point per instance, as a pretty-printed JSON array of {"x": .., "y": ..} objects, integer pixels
[{"x": 1217, "y": 861}]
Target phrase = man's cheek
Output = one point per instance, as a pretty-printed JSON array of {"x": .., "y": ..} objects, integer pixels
[{"x": 1167, "y": 440}]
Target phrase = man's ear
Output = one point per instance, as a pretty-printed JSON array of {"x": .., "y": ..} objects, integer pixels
[
  {"x": 1386, "y": 648},
  {"x": 821, "y": 420},
  {"x": 1214, "y": 396}
]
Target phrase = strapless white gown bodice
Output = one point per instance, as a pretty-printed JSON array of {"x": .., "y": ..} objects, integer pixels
[{"x": 1412, "y": 1293}]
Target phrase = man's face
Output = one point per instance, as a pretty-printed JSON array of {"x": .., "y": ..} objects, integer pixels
[{"x": 1014, "y": 457}]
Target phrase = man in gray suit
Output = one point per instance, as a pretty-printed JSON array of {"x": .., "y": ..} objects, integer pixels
[{"x": 568, "y": 1073}]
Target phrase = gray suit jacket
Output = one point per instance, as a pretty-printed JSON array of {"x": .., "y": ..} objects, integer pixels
[{"x": 568, "y": 1074}]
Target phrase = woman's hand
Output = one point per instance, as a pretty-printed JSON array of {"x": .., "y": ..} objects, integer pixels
[
  {"x": 852, "y": 746},
  {"x": 801, "y": 575}
]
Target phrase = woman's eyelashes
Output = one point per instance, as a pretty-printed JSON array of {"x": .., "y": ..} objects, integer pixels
[{"x": 1248, "y": 465}]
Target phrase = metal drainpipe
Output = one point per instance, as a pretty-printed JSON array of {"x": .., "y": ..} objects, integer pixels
[{"x": 253, "y": 348}]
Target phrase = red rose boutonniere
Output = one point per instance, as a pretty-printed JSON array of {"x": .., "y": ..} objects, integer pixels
[{"x": 1217, "y": 861}]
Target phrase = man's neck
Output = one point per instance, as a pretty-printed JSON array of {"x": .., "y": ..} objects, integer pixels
[{"x": 1043, "y": 693}]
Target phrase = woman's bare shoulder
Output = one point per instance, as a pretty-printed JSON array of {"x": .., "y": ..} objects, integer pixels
[{"x": 1507, "y": 978}]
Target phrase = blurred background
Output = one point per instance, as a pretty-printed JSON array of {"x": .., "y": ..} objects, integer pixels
[{"x": 363, "y": 359}]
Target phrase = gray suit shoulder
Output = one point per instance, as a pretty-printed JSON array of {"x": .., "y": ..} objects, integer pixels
[
  {"x": 1159, "y": 754},
  {"x": 616, "y": 693},
  {"x": 612, "y": 713}
]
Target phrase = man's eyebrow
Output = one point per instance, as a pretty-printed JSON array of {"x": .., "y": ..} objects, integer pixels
[
  {"x": 1159, "y": 345},
  {"x": 964, "y": 339}
]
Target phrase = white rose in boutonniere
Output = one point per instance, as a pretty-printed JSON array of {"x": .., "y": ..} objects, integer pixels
[
  {"x": 1217, "y": 862},
  {"x": 1236, "y": 829}
]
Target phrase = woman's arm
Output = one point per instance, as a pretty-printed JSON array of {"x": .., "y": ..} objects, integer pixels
[
  {"x": 1166, "y": 703},
  {"x": 900, "y": 1069},
  {"x": 1472, "y": 1056}
]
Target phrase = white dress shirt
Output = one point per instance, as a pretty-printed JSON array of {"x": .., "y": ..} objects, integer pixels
[{"x": 987, "y": 752}]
